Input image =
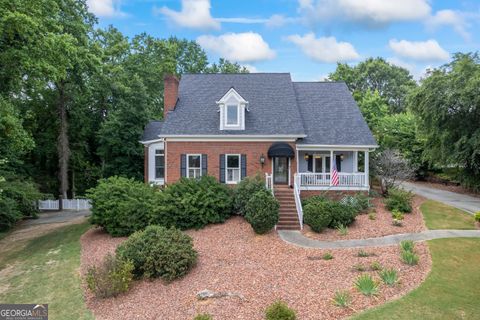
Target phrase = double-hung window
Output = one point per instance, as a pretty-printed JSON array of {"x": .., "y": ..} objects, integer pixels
[
  {"x": 232, "y": 118},
  {"x": 194, "y": 165},
  {"x": 232, "y": 168},
  {"x": 159, "y": 164}
]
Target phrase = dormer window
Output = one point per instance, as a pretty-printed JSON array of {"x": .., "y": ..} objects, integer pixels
[
  {"x": 232, "y": 109},
  {"x": 232, "y": 115}
]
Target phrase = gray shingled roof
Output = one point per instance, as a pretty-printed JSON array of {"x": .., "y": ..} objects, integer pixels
[
  {"x": 324, "y": 111},
  {"x": 330, "y": 115},
  {"x": 152, "y": 130},
  {"x": 271, "y": 101}
]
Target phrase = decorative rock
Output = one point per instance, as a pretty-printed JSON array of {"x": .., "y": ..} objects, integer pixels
[{"x": 208, "y": 294}]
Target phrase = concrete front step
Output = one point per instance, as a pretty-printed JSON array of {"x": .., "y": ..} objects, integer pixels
[{"x": 297, "y": 227}]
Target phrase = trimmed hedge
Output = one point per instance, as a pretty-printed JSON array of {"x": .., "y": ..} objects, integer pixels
[
  {"x": 320, "y": 213},
  {"x": 159, "y": 252},
  {"x": 316, "y": 216},
  {"x": 244, "y": 191},
  {"x": 262, "y": 211},
  {"x": 280, "y": 311},
  {"x": 122, "y": 206},
  {"x": 193, "y": 203}
]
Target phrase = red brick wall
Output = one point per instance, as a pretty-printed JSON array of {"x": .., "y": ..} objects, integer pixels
[
  {"x": 253, "y": 151},
  {"x": 170, "y": 94}
]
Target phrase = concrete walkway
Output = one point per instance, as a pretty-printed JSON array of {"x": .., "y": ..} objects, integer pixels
[
  {"x": 298, "y": 239},
  {"x": 461, "y": 201}
]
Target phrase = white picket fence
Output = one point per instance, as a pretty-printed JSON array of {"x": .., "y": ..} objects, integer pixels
[{"x": 67, "y": 204}]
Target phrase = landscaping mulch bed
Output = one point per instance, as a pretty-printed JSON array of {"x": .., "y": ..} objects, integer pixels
[
  {"x": 364, "y": 228},
  {"x": 258, "y": 270}
]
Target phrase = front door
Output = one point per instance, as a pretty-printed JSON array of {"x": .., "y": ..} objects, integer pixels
[{"x": 280, "y": 170}]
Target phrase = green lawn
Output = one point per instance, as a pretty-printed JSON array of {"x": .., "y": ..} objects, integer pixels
[
  {"x": 46, "y": 270},
  {"x": 452, "y": 288},
  {"x": 440, "y": 216}
]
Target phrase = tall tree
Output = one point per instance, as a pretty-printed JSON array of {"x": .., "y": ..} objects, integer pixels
[
  {"x": 448, "y": 106},
  {"x": 375, "y": 74},
  {"x": 225, "y": 66}
]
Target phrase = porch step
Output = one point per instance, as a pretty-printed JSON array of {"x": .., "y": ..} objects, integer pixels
[
  {"x": 288, "y": 217},
  {"x": 288, "y": 227}
]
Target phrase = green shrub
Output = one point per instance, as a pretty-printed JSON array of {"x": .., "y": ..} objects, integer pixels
[
  {"x": 477, "y": 216},
  {"x": 363, "y": 254},
  {"x": 341, "y": 214},
  {"x": 407, "y": 245},
  {"x": 262, "y": 211},
  {"x": 203, "y": 316},
  {"x": 122, "y": 206},
  {"x": 366, "y": 285},
  {"x": 389, "y": 276},
  {"x": 313, "y": 199},
  {"x": 342, "y": 230},
  {"x": 359, "y": 267},
  {"x": 159, "y": 252},
  {"x": 317, "y": 216},
  {"x": 111, "y": 278},
  {"x": 280, "y": 311},
  {"x": 244, "y": 191},
  {"x": 327, "y": 256},
  {"x": 193, "y": 203},
  {"x": 9, "y": 213},
  {"x": 399, "y": 200},
  {"x": 342, "y": 299},
  {"x": 409, "y": 257},
  {"x": 363, "y": 201},
  {"x": 372, "y": 215},
  {"x": 375, "y": 266}
]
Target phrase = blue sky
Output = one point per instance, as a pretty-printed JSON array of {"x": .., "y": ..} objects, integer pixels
[{"x": 306, "y": 37}]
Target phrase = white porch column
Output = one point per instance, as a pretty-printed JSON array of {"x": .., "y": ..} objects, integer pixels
[
  {"x": 355, "y": 161},
  {"x": 367, "y": 183},
  {"x": 331, "y": 166}
]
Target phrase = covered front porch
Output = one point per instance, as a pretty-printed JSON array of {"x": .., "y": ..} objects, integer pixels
[{"x": 315, "y": 167}]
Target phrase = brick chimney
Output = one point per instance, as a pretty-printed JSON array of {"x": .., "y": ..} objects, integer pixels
[{"x": 170, "y": 94}]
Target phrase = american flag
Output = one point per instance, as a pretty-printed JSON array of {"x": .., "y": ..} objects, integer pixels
[{"x": 334, "y": 175}]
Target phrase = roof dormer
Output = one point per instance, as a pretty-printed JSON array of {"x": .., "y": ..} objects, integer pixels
[{"x": 232, "y": 111}]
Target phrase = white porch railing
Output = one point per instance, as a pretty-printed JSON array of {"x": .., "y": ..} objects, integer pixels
[
  {"x": 298, "y": 200},
  {"x": 67, "y": 204},
  {"x": 269, "y": 182},
  {"x": 345, "y": 179}
]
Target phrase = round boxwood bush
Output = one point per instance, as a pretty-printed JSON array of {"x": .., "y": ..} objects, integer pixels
[
  {"x": 317, "y": 216},
  {"x": 193, "y": 203},
  {"x": 244, "y": 191},
  {"x": 122, "y": 206},
  {"x": 159, "y": 252},
  {"x": 280, "y": 311},
  {"x": 342, "y": 214},
  {"x": 262, "y": 211}
]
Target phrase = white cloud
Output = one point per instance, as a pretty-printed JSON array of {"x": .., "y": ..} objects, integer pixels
[
  {"x": 105, "y": 8},
  {"x": 195, "y": 14},
  {"x": 250, "y": 68},
  {"x": 325, "y": 49},
  {"x": 428, "y": 50},
  {"x": 454, "y": 19},
  {"x": 241, "y": 47},
  {"x": 274, "y": 21},
  {"x": 370, "y": 12}
]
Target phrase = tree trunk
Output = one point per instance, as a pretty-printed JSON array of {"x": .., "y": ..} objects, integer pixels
[{"x": 63, "y": 148}]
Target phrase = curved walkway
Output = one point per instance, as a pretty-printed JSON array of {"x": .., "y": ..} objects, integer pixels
[{"x": 298, "y": 239}]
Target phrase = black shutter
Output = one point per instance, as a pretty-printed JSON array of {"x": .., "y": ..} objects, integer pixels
[
  {"x": 222, "y": 168},
  {"x": 338, "y": 160},
  {"x": 309, "y": 163},
  {"x": 204, "y": 164},
  {"x": 243, "y": 169},
  {"x": 183, "y": 165}
]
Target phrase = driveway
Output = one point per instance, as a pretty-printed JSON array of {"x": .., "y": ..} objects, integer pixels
[
  {"x": 56, "y": 217},
  {"x": 461, "y": 201}
]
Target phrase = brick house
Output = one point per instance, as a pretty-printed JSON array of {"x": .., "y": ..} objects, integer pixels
[{"x": 295, "y": 134}]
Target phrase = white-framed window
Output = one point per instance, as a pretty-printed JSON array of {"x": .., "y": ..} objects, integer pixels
[
  {"x": 194, "y": 165},
  {"x": 232, "y": 168},
  {"x": 159, "y": 164},
  {"x": 321, "y": 163},
  {"x": 232, "y": 117}
]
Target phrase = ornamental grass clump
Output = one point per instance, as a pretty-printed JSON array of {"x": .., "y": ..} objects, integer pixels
[
  {"x": 342, "y": 298},
  {"x": 366, "y": 285},
  {"x": 342, "y": 230},
  {"x": 407, "y": 253},
  {"x": 389, "y": 276}
]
